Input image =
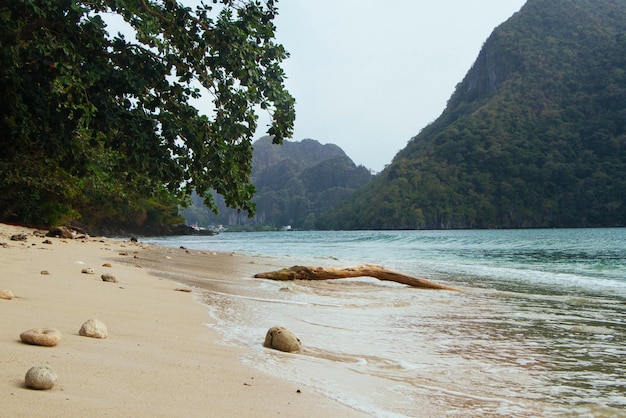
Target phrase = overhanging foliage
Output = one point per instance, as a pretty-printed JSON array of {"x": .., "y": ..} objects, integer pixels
[{"x": 101, "y": 126}]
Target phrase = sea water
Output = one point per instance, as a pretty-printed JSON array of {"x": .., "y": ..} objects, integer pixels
[{"x": 539, "y": 329}]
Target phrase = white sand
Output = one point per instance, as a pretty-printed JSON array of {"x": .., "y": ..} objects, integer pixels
[{"x": 159, "y": 360}]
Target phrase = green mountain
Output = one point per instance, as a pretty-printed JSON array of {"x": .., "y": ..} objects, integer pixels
[
  {"x": 534, "y": 135},
  {"x": 296, "y": 182}
]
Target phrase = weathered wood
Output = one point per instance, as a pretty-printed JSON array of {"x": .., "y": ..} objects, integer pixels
[{"x": 366, "y": 270}]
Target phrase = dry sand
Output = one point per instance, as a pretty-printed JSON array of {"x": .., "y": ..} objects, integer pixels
[{"x": 159, "y": 360}]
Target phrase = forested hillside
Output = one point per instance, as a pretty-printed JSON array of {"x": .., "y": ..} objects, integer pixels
[
  {"x": 533, "y": 136},
  {"x": 296, "y": 182}
]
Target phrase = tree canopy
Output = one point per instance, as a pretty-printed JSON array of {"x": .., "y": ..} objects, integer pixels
[{"x": 103, "y": 127}]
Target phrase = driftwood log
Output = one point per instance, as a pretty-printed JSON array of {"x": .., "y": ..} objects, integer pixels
[{"x": 366, "y": 270}]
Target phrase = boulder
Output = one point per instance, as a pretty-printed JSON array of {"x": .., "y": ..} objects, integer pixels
[
  {"x": 280, "y": 338},
  {"x": 47, "y": 337},
  {"x": 19, "y": 237},
  {"x": 41, "y": 377},
  {"x": 6, "y": 294},
  {"x": 94, "y": 328}
]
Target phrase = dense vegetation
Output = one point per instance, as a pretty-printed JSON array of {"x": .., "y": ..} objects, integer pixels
[
  {"x": 296, "y": 183},
  {"x": 534, "y": 136},
  {"x": 100, "y": 128}
]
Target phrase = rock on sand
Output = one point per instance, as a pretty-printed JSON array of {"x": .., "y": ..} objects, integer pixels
[
  {"x": 280, "y": 338},
  {"x": 107, "y": 277},
  {"x": 94, "y": 328},
  {"x": 41, "y": 377},
  {"x": 47, "y": 337}
]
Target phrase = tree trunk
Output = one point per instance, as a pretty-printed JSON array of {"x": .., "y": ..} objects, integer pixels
[{"x": 366, "y": 270}]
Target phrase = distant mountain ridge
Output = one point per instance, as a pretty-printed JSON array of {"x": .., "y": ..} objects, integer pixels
[
  {"x": 306, "y": 152},
  {"x": 533, "y": 136},
  {"x": 296, "y": 182}
]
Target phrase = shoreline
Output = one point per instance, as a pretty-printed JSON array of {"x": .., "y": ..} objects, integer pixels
[{"x": 160, "y": 358}]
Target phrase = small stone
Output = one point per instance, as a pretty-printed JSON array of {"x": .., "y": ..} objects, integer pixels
[
  {"x": 87, "y": 270},
  {"x": 41, "y": 377},
  {"x": 106, "y": 265},
  {"x": 280, "y": 338},
  {"x": 94, "y": 328},
  {"x": 183, "y": 289},
  {"x": 19, "y": 237},
  {"x": 107, "y": 277},
  {"x": 45, "y": 272},
  {"x": 124, "y": 253},
  {"x": 6, "y": 294},
  {"x": 47, "y": 242}
]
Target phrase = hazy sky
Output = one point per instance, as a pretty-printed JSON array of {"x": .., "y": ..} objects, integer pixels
[{"x": 369, "y": 75}]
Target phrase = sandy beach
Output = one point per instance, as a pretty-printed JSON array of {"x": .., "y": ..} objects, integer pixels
[{"x": 160, "y": 358}]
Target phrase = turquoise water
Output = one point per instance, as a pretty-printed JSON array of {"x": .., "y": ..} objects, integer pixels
[{"x": 540, "y": 329}]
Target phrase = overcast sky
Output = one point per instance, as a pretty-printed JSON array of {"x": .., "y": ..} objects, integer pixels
[{"x": 369, "y": 75}]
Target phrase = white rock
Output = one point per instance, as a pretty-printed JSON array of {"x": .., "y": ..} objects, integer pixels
[{"x": 94, "y": 328}]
